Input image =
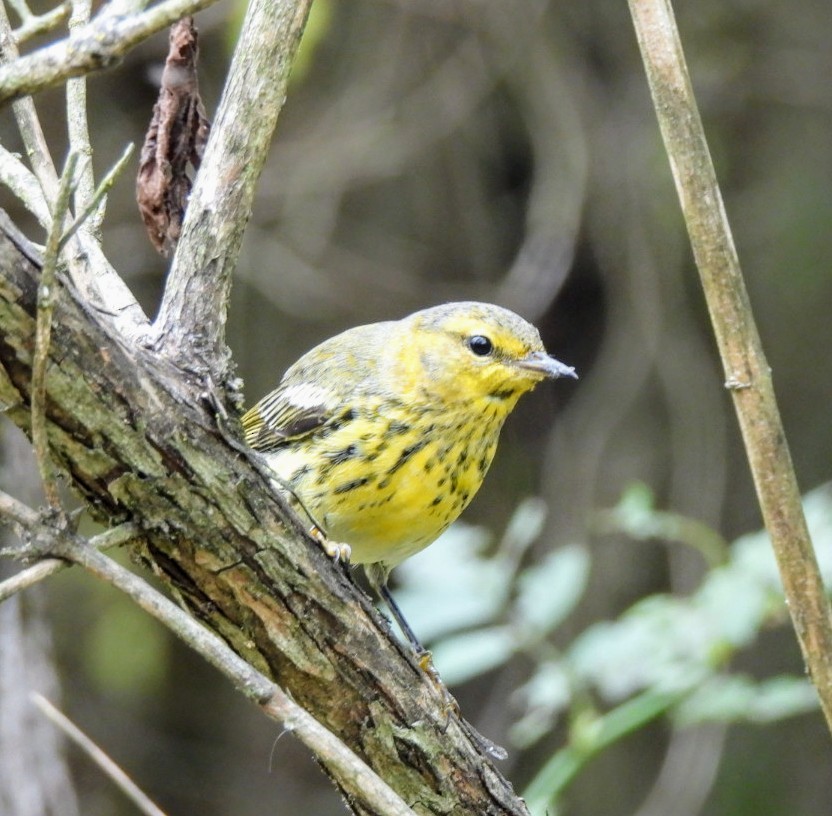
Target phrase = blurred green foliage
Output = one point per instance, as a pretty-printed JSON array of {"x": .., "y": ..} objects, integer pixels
[
  {"x": 126, "y": 652},
  {"x": 666, "y": 655}
]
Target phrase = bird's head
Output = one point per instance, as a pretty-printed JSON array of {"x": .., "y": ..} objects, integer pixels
[{"x": 463, "y": 352}]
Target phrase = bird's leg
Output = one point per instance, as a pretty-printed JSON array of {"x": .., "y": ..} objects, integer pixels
[
  {"x": 425, "y": 660},
  {"x": 423, "y": 656},
  {"x": 336, "y": 550},
  {"x": 387, "y": 597}
]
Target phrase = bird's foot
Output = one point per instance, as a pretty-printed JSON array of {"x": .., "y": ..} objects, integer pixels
[
  {"x": 336, "y": 550},
  {"x": 450, "y": 707},
  {"x": 449, "y": 704}
]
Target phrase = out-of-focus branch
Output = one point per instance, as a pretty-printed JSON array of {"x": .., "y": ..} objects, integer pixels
[
  {"x": 747, "y": 373},
  {"x": 97, "y": 45},
  {"x": 195, "y": 302},
  {"x": 33, "y": 25},
  {"x": 130, "y": 789}
]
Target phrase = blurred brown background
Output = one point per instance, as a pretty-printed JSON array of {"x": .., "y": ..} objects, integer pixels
[{"x": 436, "y": 150}]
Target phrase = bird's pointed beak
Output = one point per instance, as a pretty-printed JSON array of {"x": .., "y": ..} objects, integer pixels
[{"x": 546, "y": 366}]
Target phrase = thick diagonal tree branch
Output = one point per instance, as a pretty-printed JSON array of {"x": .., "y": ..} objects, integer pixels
[{"x": 137, "y": 439}]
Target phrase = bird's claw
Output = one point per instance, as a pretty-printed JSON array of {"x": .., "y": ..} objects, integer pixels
[
  {"x": 336, "y": 550},
  {"x": 450, "y": 707},
  {"x": 449, "y": 704}
]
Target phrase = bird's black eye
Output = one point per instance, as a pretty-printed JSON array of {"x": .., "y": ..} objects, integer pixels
[{"x": 480, "y": 345}]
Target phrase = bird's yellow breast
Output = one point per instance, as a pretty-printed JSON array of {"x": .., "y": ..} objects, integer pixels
[{"x": 388, "y": 482}]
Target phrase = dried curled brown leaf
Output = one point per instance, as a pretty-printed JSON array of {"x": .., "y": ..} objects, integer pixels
[{"x": 176, "y": 138}]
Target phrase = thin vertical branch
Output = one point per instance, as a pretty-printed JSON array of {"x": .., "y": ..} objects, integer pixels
[
  {"x": 98, "y": 195},
  {"x": 43, "y": 334},
  {"x": 78, "y": 128},
  {"x": 27, "y": 119},
  {"x": 747, "y": 373}
]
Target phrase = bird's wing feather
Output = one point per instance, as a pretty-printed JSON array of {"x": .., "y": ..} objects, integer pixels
[{"x": 291, "y": 411}]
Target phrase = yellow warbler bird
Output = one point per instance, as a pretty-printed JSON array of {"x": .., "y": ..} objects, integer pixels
[{"x": 385, "y": 432}]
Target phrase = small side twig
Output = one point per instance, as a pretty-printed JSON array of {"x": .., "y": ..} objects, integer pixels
[
  {"x": 747, "y": 373},
  {"x": 17, "y": 513},
  {"x": 43, "y": 334},
  {"x": 29, "y": 576},
  {"x": 98, "y": 195},
  {"x": 34, "y": 24},
  {"x": 23, "y": 184},
  {"x": 122, "y": 781}
]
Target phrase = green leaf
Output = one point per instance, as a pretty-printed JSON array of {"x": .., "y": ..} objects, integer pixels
[
  {"x": 741, "y": 699},
  {"x": 592, "y": 734},
  {"x": 525, "y": 526},
  {"x": 545, "y": 696},
  {"x": 465, "y": 656},
  {"x": 549, "y": 591}
]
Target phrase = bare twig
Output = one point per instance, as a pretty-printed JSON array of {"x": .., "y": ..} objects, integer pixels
[
  {"x": 32, "y": 25},
  {"x": 350, "y": 771},
  {"x": 747, "y": 373},
  {"x": 89, "y": 269},
  {"x": 23, "y": 184},
  {"x": 122, "y": 781},
  {"x": 27, "y": 118},
  {"x": 19, "y": 514},
  {"x": 49, "y": 566},
  {"x": 95, "y": 46},
  {"x": 21, "y": 9},
  {"x": 78, "y": 127},
  {"x": 98, "y": 195},
  {"x": 196, "y": 296},
  {"x": 43, "y": 334}
]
